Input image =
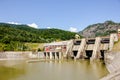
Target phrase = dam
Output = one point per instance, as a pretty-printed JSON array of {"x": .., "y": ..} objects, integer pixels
[
  {"x": 22, "y": 65},
  {"x": 85, "y": 48}
]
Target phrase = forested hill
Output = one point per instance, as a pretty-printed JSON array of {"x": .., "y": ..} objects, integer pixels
[
  {"x": 24, "y": 33},
  {"x": 17, "y": 37},
  {"x": 100, "y": 29}
]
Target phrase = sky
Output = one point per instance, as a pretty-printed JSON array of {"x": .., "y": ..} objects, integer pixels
[{"x": 72, "y": 15}]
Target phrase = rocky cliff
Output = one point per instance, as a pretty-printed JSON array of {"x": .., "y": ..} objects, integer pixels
[{"x": 100, "y": 29}]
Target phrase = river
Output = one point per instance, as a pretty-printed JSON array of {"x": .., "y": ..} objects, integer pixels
[{"x": 52, "y": 70}]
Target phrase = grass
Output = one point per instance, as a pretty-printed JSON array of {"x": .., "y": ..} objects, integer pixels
[{"x": 35, "y": 46}]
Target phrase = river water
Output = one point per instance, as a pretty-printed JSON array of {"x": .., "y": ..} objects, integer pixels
[{"x": 52, "y": 70}]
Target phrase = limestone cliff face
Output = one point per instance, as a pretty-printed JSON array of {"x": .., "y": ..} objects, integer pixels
[{"x": 100, "y": 29}]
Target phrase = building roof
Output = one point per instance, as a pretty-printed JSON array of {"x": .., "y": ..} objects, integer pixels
[{"x": 57, "y": 43}]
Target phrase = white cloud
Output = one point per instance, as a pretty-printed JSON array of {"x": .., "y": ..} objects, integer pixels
[
  {"x": 14, "y": 23},
  {"x": 73, "y": 29},
  {"x": 48, "y": 27},
  {"x": 33, "y": 25}
]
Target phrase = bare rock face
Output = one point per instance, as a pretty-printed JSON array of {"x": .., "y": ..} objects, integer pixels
[{"x": 100, "y": 29}]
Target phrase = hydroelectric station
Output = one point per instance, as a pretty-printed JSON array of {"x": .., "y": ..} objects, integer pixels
[{"x": 85, "y": 48}]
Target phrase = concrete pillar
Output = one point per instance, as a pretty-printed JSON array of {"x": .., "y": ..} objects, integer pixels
[
  {"x": 60, "y": 55},
  {"x": 84, "y": 53},
  {"x": 96, "y": 48},
  {"x": 50, "y": 55},
  {"x": 56, "y": 55},
  {"x": 111, "y": 42},
  {"x": 113, "y": 38},
  {"x": 69, "y": 47},
  {"x": 81, "y": 48}
]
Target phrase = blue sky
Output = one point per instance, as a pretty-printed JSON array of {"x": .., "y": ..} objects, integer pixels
[{"x": 72, "y": 15}]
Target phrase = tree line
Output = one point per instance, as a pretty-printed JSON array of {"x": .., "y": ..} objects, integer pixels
[{"x": 13, "y": 37}]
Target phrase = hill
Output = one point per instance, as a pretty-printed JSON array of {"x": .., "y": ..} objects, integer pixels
[
  {"x": 12, "y": 36},
  {"x": 100, "y": 29}
]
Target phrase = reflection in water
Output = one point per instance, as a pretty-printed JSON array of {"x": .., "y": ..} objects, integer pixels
[
  {"x": 10, "y": 69},
  {"x": 52, "y": 70}
]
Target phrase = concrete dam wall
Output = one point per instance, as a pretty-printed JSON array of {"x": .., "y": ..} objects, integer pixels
[{"x": 112, "y": 61}]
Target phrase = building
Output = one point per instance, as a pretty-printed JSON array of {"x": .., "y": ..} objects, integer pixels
[{"x": 55, "y": 50}]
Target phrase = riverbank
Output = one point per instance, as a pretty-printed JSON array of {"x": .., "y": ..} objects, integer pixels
[{"x": 112, "y": 61}]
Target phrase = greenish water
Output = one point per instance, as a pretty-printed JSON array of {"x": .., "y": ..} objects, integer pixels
[{"x": 52, "y": 70}]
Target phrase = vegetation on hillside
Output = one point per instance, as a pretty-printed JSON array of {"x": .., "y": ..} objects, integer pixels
[
  {"x": 13, "y": 37},
  {"x": 100, "y": 29}
]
